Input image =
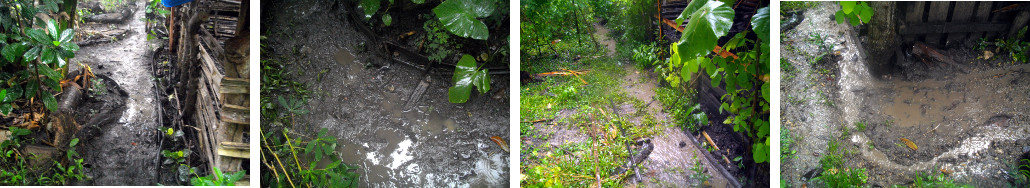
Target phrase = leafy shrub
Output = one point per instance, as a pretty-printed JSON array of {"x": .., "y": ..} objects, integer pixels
[
  {"x": 745, "y": 74},
  {"x": 855, "y": 12}
]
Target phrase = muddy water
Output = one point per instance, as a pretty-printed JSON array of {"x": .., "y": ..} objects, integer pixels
[
  {"x": 969, "y": 124},
  {"x": 126, "y": 152},
  {"x": 359, "y": 97}
]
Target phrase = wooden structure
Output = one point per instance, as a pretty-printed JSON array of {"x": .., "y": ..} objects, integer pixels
[
  {"x": 942, "y": 23},
  {"x": 214, "y": 76}
]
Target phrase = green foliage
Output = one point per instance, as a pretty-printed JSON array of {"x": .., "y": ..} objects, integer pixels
[
  {"x": 277, "y": 149},
  {"x": 843, "y": 177},
  {"x": 172, "y": 134},
  {"x": 438, "y": 41},
  {"x": 746, "y": 77},
  {"x": 646, "y": 56},
  {"x": 466, "y": 75},
  {"x": 699, "y": 171},
  {"x": 786, "y": 140},
  {"x": 855, "y": 12},
  {"x": 15, "y": 169},
  {"x": 786, "y": 6},
  {"x": 218, "y": 179},
  {"x": 175, "y": 157},
  {"x": 550, "y": 28},
  {"x": 1015, "y": 46},
  {"x": 935, "y": 179},
  {"x": 40, "y": 56},
  {"x": 460, "y": 17}
]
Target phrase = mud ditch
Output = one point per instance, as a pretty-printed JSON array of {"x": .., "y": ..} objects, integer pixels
[
  {"x": 125, "y": 149},
  {"x": 370, "y": 101},
  {"x": 969, "y": 126}
]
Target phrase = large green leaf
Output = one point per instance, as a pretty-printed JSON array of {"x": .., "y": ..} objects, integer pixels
[
  {"x": 707, "y": 24},
  {"x": 38, "y": 36},
  {"x": 66, "y": 36},
  {"x": 760, "y": 152},
  {"x": 760, "y": 23},
  {"x": 370, "y": 7},
  {"x": 459, "y": 17},
  {"x": 465, "y": 76},
  {"x": 49, "y": 101},
  {"x": 691, "y": 8},
  {"x": 31, "y": 55},
  {"x": 51, "y": 28},
  {"x": 49, "y": 56},
  {"x": 866, "y": 12},
  {"x": 11, "y": 52}
]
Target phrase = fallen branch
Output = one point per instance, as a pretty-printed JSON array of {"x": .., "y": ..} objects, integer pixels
[{"x": 709, "y": 139}]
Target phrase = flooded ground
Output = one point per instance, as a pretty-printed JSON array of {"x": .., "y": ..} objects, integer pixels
[
  {"x": 391, "y": 120},
  {"x": 127, "y": 151},
  {"x": 971, "y": 126}
]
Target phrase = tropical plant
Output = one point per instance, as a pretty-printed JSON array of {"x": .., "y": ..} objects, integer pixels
[
  {"x": 218, "y": 179},
  {"x": 855, "y": 12},
  {"x": 746, "y": 73},
  {"x": 466, "y": 75}
]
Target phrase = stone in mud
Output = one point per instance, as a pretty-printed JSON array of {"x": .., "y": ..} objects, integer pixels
[{"x": 999, "y": 120}]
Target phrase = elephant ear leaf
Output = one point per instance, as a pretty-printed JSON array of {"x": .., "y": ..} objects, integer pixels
[
  {"x": 460, "y": 17},
  {"x": 465, "y": 77}
]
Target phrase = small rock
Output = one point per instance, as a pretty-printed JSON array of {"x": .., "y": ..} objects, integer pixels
[{"x": 682, "y": 144}]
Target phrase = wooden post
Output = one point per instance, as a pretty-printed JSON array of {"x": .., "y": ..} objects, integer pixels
[{"x": 983, "y": 11}]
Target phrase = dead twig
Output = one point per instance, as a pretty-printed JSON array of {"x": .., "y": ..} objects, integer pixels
[{"x": 709, "y": 139}]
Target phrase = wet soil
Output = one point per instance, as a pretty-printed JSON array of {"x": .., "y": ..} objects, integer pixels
[
  {"x": 969, "y": 125},
  {"x": 359, "y": 94},
  {"x": 125, "y": 151}
]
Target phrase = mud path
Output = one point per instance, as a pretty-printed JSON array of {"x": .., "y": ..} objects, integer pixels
[
  {"x": 125, "y": 152},
  {"x": 673, "y": 153},
  {"x": 359, "y": 95},
  {"x": 970, "y": 125}
]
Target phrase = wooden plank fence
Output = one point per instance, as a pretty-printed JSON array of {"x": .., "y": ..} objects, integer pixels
[{"x": 941, "y": 23}]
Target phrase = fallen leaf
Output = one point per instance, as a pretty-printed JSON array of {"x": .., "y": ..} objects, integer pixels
[
  {"x": 909, "y": 144},
  {"x": 500, "y": 142}
]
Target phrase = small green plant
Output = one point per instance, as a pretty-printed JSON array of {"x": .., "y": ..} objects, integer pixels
[
  {"x": 1015, "y": 46},
  {"x": 855, "y": 12},
  {"x": 175, "y": 157},
  {"x": 99, "y": 87},
  {"x": 293, "y": 106},
  {"x": 438, "y": 42},
  {"x": 699, "y": 171},
  {"x": 646, "y": 55},
  {"x": 845, "y": 177},
  {"x": 218, "y": 179},
  {"x": 172, "y": 134},
  {"x": 860, "y": 126},
  {"x": 467, "y": 75},
  {"x": 935, "y": 179}
]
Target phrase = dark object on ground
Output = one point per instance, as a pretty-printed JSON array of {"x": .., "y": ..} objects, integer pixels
[
  {"x": 791, "y": 20},
  {"x": 929, "y": 54},
  {"x": 643, "y": 148}
]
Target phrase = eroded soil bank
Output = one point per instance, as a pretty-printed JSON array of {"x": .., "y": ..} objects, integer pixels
[
  {"x": 365, "y": 99},
  {"x": 970, "y": 126}
]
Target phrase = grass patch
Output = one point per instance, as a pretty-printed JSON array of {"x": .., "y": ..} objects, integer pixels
[{"x": 595, "y": 106}]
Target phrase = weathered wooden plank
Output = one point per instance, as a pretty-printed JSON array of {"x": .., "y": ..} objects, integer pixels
[
  {"x": 914, "y": 15},
  {"x": 981, "y": 15},
  {"x": 234, "y": 86},
  {"x": 963, "y": 13},
  {"x": 236, "y": 145},
  {"x": 938, "y": 14},
  {"x": 948, "y": 28},
  {"x": 234, "y": 152},
  {"x": 235, "y": 117}
]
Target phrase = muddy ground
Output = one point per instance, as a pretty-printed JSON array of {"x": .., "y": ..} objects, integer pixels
[
  {"x": 972, "y": 126},
  {"x": 359, "y": 95},
  {"x": 125, "y": 151}
]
